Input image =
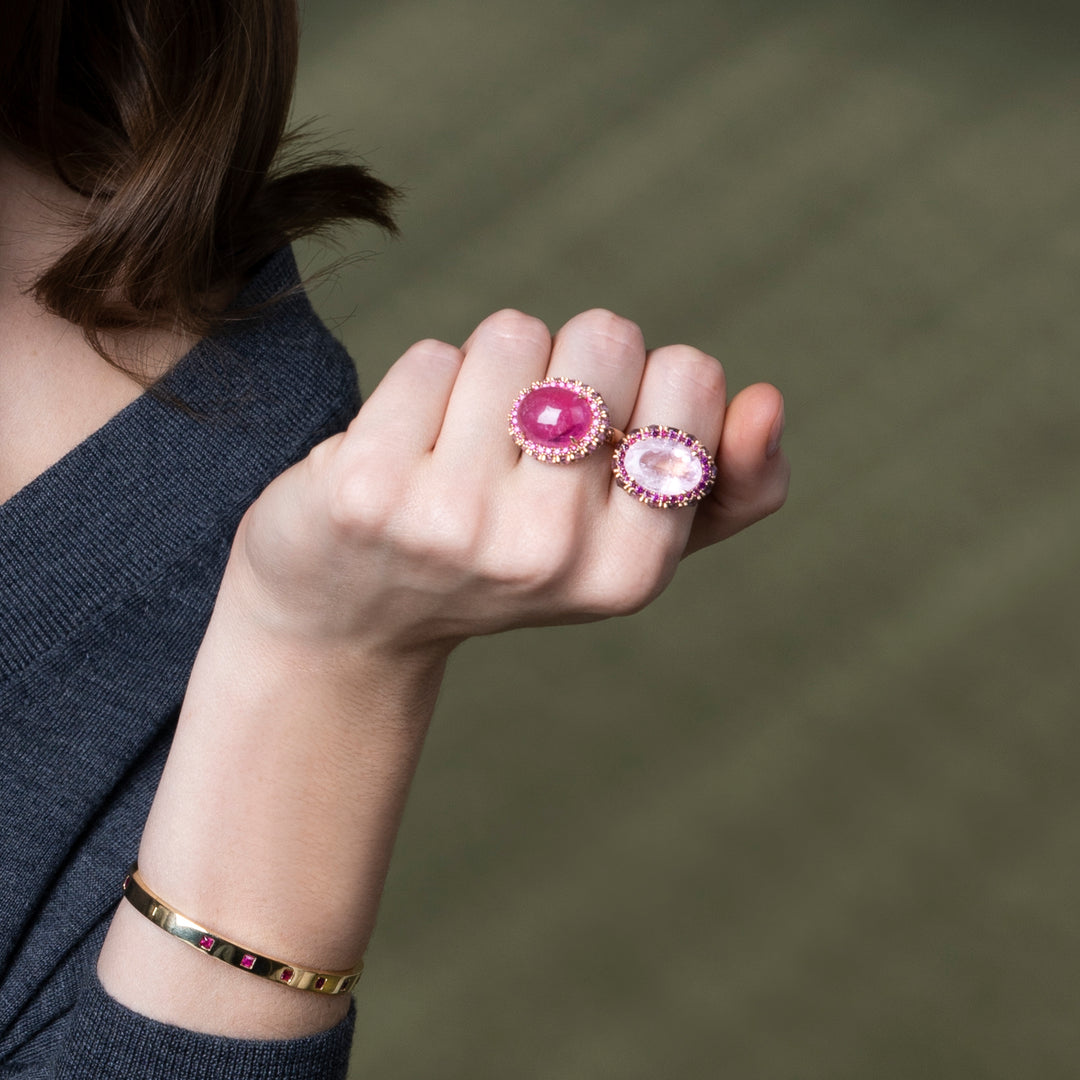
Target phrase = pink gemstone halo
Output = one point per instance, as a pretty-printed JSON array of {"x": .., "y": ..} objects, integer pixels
[
  {"x": 663, "y": 467},
  {"x": 559, "y": 420}
]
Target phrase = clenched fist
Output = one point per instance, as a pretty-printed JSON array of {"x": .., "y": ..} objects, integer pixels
[{"x": 424, "y": 523}]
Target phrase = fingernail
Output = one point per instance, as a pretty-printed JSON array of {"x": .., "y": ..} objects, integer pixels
[{"x": 776, "y": 434}]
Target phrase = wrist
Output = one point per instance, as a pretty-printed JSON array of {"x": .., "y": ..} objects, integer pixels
[
  {"x": 277, "y": 812},
  {"x": 292, "y": 758},
  {"x": 307, "y": 629}
]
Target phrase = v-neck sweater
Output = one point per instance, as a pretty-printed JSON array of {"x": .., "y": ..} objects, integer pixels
[{"x": 110, "y": 561}]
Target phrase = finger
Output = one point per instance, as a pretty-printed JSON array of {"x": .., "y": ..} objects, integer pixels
[
  {"x": 405, "y": 413},
  {"x": 639, "y": 545},
  {"x": 506, "y": 352},
  {"x": 752, "y": 470},
  {"x": 604, "y": 351},
  {"x": 683, "y": 388}
]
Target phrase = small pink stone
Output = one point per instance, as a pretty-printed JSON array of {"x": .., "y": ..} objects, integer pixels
[
  {"x": 663, "y": 467},
  {"x": 206, "y": 942},
  {"x": 320, "y": 982},
  {"x": 287, "y": 974},
  {"x": 247, "y": 961},
  {"x": 555, "y": 416}
]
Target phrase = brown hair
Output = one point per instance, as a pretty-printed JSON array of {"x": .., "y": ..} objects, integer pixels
[{"x": 167, "y": 115}]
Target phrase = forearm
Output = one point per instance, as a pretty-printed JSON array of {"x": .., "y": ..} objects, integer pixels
[
  {"x": 273, "y": 824},
  {"x": 276, "y": 815}
]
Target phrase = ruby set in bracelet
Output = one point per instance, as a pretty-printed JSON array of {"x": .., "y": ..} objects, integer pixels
[{"x": 237, "y": 956}]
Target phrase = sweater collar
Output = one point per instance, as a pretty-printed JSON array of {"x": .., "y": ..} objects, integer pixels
[{"x": 124, "y": 504}]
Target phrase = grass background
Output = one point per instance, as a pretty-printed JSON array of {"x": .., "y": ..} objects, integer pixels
[{"x": 814, "y": 814}]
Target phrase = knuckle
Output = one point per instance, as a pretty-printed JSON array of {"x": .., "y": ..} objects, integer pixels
[
  {"x": 452, "y": 545},
  {"x": 621, "y": 332},
  {"x": 354, "y": 505},
  {"x": 516, "y": 326},
  {"x": 625, "y": 587},
  {"x": 530, "y": 558},
  {"x": 626, "y": 600},
  {"x": 433, "y": 351},
  {"x": 686, "y": 364},
  {"x": 446, "y": 533},
  {"x": 536, "y": 565}
]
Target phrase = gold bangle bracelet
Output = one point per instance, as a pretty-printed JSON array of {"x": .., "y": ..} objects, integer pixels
[{"x": 212, "y": 944}]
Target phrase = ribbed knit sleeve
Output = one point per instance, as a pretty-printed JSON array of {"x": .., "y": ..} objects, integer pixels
[{"x": 107, "y": 1041}]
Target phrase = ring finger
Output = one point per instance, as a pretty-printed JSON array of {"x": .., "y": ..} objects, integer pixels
[
  {"x": 684, "y": 389},
  {"x": 605, "y": 353}
]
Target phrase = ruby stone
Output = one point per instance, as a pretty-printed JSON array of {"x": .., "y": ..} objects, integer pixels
[
  {"x": 247, "y": 961},
  {"x": 206, "y": 942},
  {"x": 555, "y": 416}
]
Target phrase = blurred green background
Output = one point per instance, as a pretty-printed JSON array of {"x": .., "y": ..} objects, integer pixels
[{"x": 815, "y": 813}]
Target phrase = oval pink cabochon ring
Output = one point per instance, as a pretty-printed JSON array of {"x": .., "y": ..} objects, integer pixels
[{"x": 559, "y": 420}]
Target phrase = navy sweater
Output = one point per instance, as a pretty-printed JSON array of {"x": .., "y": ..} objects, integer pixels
[{"x": 109, "y": 564}]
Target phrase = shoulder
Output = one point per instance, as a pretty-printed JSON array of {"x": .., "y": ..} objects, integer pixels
[{"x": 275, "y": 366}]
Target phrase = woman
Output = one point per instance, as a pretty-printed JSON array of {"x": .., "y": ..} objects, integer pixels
[{"x": 226, "y": 605}]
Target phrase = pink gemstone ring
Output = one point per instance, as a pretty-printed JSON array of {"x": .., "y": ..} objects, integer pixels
[
  {"x": 664, "y": 467},
  {"x": 559, "y": 420}
]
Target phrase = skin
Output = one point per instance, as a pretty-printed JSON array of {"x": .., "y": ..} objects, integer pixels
[
  {"x": 55, "y": 390},
  {"x": 350, "y": 581}
]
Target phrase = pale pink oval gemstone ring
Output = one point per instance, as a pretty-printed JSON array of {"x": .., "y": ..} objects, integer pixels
[
  {"x": 664, "y": 467},
  {"x": 559, "y": 420}
]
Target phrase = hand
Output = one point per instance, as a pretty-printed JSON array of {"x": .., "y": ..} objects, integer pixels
[
  {"x": 424, "y": 524},
  {"x": 350, "y": 579}
]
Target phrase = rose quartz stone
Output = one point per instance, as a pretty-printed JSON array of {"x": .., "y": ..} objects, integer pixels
[
  {"x": 662, "y": 466},
  {"x": 555, "y": 416}
]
